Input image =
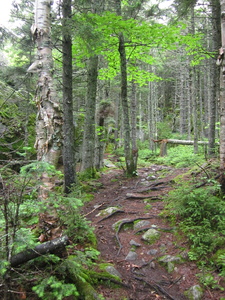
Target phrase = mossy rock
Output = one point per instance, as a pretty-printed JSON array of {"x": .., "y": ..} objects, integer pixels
[
  {"x": 107, "y": 211},
  {"x": 169, "y": 262},
  {"x": 110, "y": 270},
  {"x": 194, "y": 293},
  {"x": 151, "y": 235}
]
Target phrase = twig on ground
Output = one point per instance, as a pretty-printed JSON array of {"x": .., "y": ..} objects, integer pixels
[{"x": 97, "y": 207}]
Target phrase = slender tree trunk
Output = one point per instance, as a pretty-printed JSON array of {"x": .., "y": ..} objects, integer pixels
[
  {"x": 49, "y": 117},
  {"x": 222, "y": 98},
  {"x": 183, "y": 100},
  {"x": 89, "y": 126},
  {"x": 130, "y": 157},
  {"x": 68, "y": 125},
  {"x": 216, "y": 36},
  {"x": 134, "y": 125}
]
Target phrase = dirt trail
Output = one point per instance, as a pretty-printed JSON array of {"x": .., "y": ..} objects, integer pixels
[{"x": 143, "y": 277}]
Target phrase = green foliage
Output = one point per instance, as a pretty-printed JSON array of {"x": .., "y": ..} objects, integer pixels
[
  {"x": 207, "y": 280},
  {"x": 201, "y": 215},
  {"x": 182, "y": 156},
  {"x": 52, "y": 288},
  {"x": 98, "y": 34},
  {"x": 164, "y": 131}
]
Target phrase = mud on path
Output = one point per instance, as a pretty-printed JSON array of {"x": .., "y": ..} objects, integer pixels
[{"x": 143, "y": 277}]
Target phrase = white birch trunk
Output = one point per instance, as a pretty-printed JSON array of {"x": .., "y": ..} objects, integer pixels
[{"x": 49, "y": 116}]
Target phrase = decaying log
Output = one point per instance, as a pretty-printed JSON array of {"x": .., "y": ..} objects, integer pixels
[
  {"x": 164, "y": 142},
  {"x": 48, "y": 247}
]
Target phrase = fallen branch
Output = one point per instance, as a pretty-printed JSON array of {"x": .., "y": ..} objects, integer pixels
[
  {"x": 156, "y": 287},
  {"x": 48, "y": 247},
  {"x": 97, "y": 207}
]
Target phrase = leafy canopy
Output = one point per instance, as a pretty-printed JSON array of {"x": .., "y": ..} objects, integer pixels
[{"x": 98, "y": 34}]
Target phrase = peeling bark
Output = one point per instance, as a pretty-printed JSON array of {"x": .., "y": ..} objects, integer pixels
[{"x": 49, "y": 117}]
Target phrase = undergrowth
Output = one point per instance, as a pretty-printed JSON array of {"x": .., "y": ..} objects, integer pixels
[
  {"x": 25, "y": 221},
  {"x": 200, "y": 215}
]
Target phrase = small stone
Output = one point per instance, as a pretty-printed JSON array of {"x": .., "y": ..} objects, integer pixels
[
  {"x": 131, "y": 256},
  {"x": 169, "y": 261},
  {"x": 141, "y": 224},
  {"x": 133, "y": 243},
  {"x": 169, "y": 258},
  {"x": 152, "y": 252},
  {"x": 152, "y": 265}
]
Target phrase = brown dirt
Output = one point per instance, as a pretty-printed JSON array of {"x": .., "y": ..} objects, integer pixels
[{"x": 143, "y": 278}]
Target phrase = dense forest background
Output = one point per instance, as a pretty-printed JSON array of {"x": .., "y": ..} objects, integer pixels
[
  {"x": 172, "y": 80},
  {"x": 81, "y": 79}
]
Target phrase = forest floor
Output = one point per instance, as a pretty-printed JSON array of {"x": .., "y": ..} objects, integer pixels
[{"x": 142, "y": 276}]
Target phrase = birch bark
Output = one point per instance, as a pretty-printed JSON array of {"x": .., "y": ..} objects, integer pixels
[{"x": 49, "y": 117}]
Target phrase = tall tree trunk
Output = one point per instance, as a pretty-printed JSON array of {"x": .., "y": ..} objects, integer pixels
[
  {"x": 216, "y": 36},
  {"x": 222, "y": 98},
  {"x": 49, "y": 117},
  {"x": 89, "y": 126},
  {"x": 134, "y": 125},
  {"x": 68, "y": 125},
  {"x": 130, "y": 157},
  {"x": 193, "y": 89}
]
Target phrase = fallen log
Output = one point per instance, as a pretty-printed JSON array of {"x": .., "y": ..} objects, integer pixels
[
  {"x": 164, "y": 142},
  {"x": 48, "y": 247}
]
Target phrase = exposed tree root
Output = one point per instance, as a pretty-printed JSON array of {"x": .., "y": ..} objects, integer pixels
[{"x": 112, "y": 214}]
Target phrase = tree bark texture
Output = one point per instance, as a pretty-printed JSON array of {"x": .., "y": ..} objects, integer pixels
[
  {"x": 68, "y": 125},
  {"x": 215, "y": 74},
  {"x": 49, "y": 117},
  {"x": 48, "y": 247},
  {"x": 89, "y": 126},
  {"x": 222, "y": 90},
  {"x": 129, "y": 157}
]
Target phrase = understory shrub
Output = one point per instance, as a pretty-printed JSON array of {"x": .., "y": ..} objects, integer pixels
[
  {"x": 182, "y": 156},
  {"x": 21, "y": 227},
  {"x": 201, "y": 216}
]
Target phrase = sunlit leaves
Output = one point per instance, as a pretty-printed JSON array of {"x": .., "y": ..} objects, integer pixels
[{"x": 98, "y": 34}]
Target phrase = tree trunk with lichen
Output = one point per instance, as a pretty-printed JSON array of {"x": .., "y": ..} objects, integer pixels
[
  {"x": 68, "y": 124},
  {"x": 49, "y": 116},
  {"x": 89, "y": 124},
  {"x": 222, "y": 98}
]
